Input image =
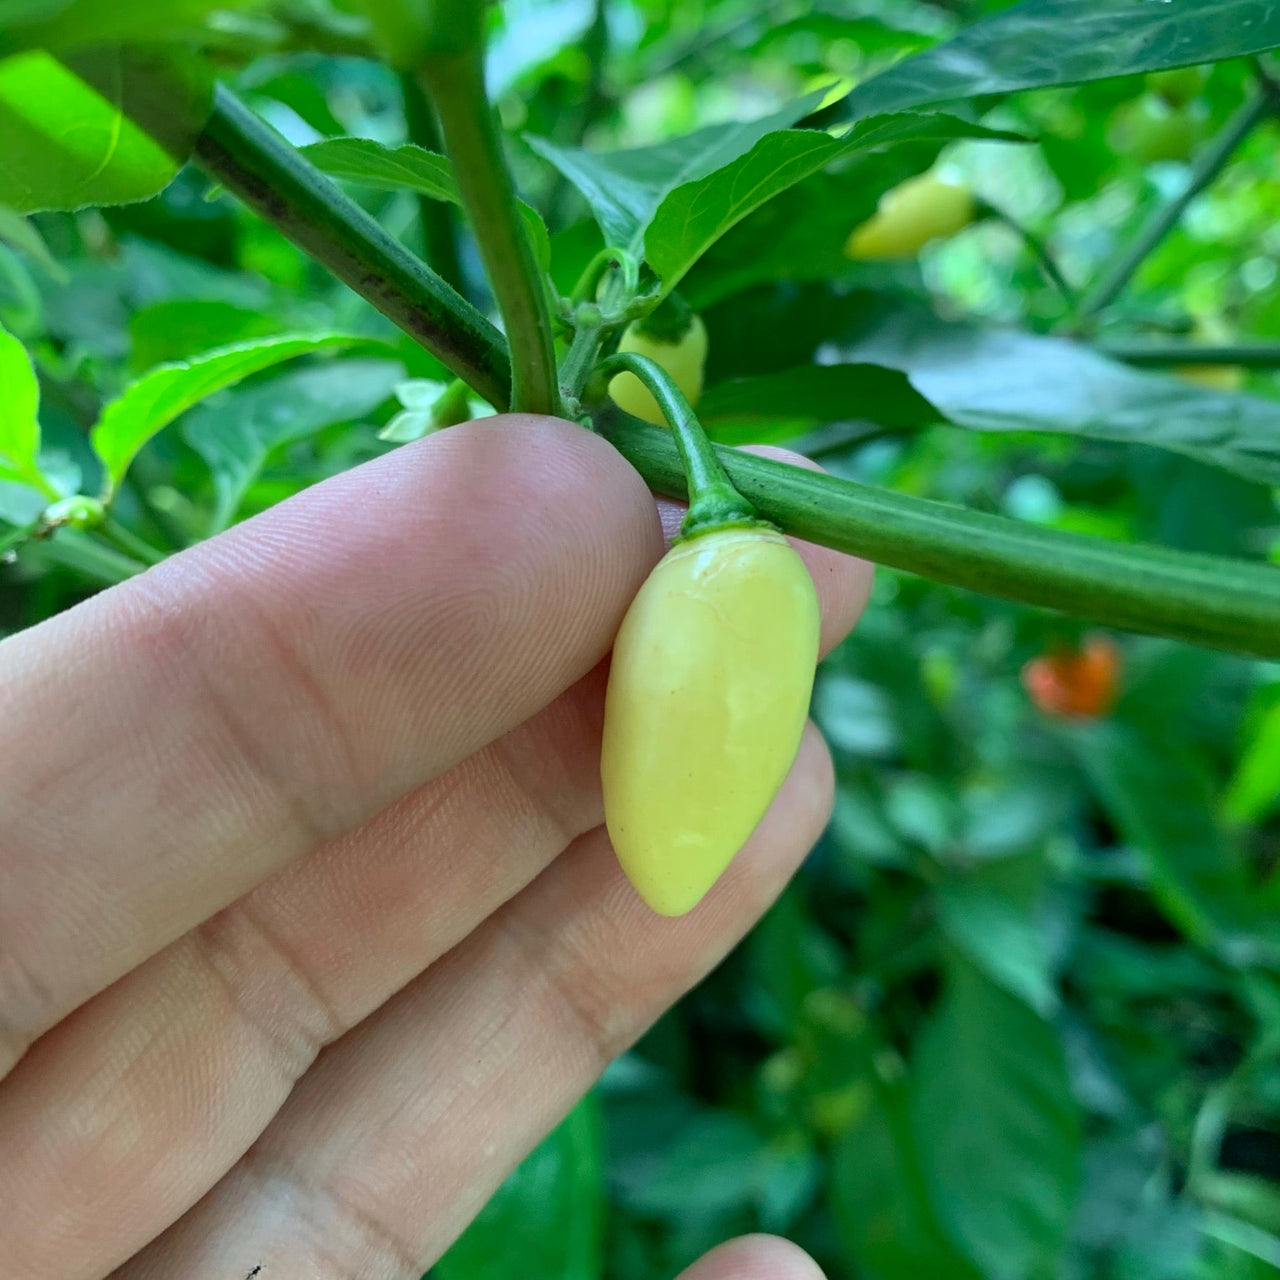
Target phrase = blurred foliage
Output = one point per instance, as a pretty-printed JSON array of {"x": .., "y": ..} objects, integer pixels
[{"x": 1018, "y": 1018}]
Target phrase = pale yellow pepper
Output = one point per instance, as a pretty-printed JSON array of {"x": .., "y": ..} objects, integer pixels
[
  {"x": 921, "y": 209},
  {"x": 684, "y": 359},
  {"x": 707, "y": 700}
]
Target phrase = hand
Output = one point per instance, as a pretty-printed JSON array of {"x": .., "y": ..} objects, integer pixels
[{"x": 309, "y": 929}]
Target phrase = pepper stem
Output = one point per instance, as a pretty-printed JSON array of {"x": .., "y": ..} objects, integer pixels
[{"x": 713, "y": 501}]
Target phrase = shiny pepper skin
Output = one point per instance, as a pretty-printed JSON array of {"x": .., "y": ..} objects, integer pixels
[
  {"x": 707, "y": 700},
  {"x": 921, "y": 209},
  {"x": 685, "y": 360}
]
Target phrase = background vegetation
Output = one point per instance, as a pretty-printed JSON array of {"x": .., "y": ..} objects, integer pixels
[{"x": 1019, "y": 1016}]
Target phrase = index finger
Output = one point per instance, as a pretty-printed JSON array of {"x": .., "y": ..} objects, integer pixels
[{"x": 170, "y": 743}]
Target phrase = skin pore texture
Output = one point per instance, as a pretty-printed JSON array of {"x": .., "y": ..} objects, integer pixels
[{"x": 309, "y": 927}]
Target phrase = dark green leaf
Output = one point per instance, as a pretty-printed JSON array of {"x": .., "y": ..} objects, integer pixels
[
  {"x": 165, "y": 393},
  {"x": 1160, "y": 798},
  {"x": 1040, "y": 43},
  {"x": 997, "y": 1127},
  {"x": 1002, "y": 938},
  {"x": 626, "y": 188},
  {"x": 882, "y": 1203},
  {"x": 697, "y": 213},
  {"x": 1005, "y": 380},
  {"x": 546, "y": 1221},
  {"x": 778, "y": 405},
  {"x": 236, "y": 436}
]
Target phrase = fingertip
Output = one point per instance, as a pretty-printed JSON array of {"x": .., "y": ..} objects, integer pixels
[{"x": 755, "y": 1257}]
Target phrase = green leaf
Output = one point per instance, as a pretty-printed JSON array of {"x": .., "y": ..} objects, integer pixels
[
  {"x": 235, "y": 437},
  {"x": 408, "y": 168},
  {"x": 1006, "y": 380},
  {"x": 1001, "y": 938},
  {"x": 1040, "y": 43},
  {"x": 180, "y": 328},
  {"x": 546, "y": 1221},
  {"x": 1159, "y": 796},
  {"x": 626, "y": 188},
  {"x": 69, "y": 24},
  {"x": 19, "y": 411},
  {"x": 166, "y": 392},
  {"x": 14, "y": 13},
  {"x": 1254, "y": 790},
  {"x": 696, "y": 214},
  {"x": 67, "y": 132},
  {"x": 881, "y": 1202},
  {"x": 997, "y": 1127},
  {"x": 778, "y": 405}
]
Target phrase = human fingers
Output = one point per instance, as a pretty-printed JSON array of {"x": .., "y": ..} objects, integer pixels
[
  {"x": 167, "y": 745},
  {"x": 755, "y": 1257},
  {"x": 404, "y": 1128},
  {"x": 231, "y": 1015}
]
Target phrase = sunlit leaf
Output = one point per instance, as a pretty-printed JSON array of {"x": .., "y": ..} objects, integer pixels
[
  {"x": 165, "y": 393},
  {"x": 68, "y": 136}
]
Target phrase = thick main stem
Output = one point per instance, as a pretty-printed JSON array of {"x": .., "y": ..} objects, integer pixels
[
  {"x": 249, "y": 158},
  {"x": 1209, "y": 600},
  {"x": 1206, "y": 168},
  {"x": 453, "y": 73}
]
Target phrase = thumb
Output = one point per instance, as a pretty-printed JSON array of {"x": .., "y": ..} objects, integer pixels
[{"x": 754, "y": 1258}]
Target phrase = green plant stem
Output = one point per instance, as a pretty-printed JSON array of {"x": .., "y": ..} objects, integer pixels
[
  {"x": 1038, "y": 250},
  {"x": 125, "y": 540},
  {"x": 714, "y": 501},
  {"x": 1209, "y": 600},
  {"x": 1208, "y": 165},
  {"x": 436, "y": 217},
  {"x": 253, "y": 161},
  {"x": 1159, "y": 355},
  {"x": 580, "y": 359},
  {"x": 453, "y": 74},
  {"x": 86, "y": 555}
]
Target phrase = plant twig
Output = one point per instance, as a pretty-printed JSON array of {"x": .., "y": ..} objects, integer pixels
[
  {"x": 1209, "y": 600},
  {"x": 1159, "y": 355},
  {"x": 453, "y": 73},
  {"x": 1208, "y": 165},
  {"x": 1038, "y": 250},
  {"x": 126, "y": 540},
  {"x": 243, "y": 152}
]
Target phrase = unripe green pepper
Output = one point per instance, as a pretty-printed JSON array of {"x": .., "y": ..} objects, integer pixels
[
  {"x": 707, "y": 700},
  {"x": 684, "y": 358}
]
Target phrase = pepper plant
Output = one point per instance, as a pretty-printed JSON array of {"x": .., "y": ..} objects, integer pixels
[{"x": 179, "y": 186}]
